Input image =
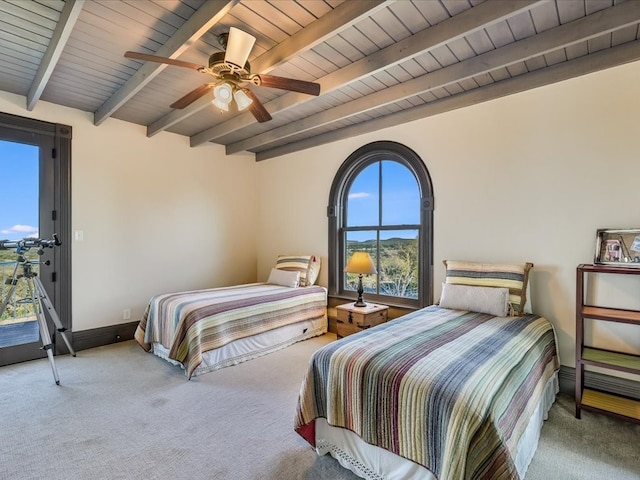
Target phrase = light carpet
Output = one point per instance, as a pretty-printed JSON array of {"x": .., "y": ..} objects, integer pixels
[{"x": 121, "y": 413}]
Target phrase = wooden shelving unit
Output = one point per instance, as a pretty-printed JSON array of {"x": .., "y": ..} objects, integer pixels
[{"x": 594, "y": 400}]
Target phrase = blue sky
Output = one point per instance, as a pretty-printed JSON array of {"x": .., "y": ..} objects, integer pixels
[
  {"x": 400, "y": 199},
  {"x": 18, "y": 191}
]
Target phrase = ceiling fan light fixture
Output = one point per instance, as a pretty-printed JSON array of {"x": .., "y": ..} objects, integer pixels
[
  {"x": 239, "y": 46},
  {"x": 222, "y": 96},
  {"x": 230, "y": 69},
  {"x": 222, "y": 106},
  {"x": 242, "y": 99}
]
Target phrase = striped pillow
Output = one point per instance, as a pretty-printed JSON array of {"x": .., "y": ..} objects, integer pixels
[
  {"x": 307, "y": 265},
  {"x": 512, "y": 276}
]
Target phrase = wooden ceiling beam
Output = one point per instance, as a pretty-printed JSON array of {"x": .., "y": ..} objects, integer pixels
[
  {"x": 68, "y": 16},
  {"x": 338, "y": 19},
  {"x": 583, "y": 29},
  {"x": 456, "y": 27},
  {"x": 594, "y": 62},
  {"x": 197, "y": 25}
]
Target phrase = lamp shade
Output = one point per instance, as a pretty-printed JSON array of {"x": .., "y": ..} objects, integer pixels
[
  {"x": 242, "y": 99},
  {"x": 239, "y": 46},
  {"x": 222, "y": 96},
  {"x": 360, "y": 262}
]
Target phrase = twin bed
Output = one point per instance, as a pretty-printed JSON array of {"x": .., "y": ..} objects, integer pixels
[
  {"x": 457, "y": 390},
  {"x": 452, "y": 391},
  {"x": 205, "y": 330}
]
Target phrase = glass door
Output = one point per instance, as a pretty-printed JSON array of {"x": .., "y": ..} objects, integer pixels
[{"x": 26, "y": 206}]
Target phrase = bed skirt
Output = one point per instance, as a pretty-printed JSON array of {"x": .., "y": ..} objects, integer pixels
[
  {"x": 375, "y": 463},
  {"x": 251, "y": 347}
]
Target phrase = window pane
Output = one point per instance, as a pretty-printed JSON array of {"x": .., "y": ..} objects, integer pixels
[
  {"x": 19, "y": 218},
  {"x": 400, "y": 195},
  {"x": 19, "y": 195},
  {"x": 361, "y": 242},
  {"x": 363, "y": 200},
  {"x": 398, "y": 272}
]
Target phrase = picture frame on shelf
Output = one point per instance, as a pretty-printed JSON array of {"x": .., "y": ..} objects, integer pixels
[{"x": 618, "y": 247}]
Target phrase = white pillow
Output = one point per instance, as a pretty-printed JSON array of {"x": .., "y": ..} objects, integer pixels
[
  {"x": 491, "y": 300},
  {"x": 284, "y": 278}
]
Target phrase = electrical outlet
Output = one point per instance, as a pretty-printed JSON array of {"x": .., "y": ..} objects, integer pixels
[{"x": 126, "y": 314}]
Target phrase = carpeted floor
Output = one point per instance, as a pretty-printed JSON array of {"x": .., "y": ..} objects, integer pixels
[{"x": 121, "y": 413}]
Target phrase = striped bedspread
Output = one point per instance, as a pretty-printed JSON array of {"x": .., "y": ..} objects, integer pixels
[
  {"x": 191, "y": 323},
  {"x": 449, "y": 390}
]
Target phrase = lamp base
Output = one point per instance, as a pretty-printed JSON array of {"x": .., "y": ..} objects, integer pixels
[{"x": 360, "y": 302}]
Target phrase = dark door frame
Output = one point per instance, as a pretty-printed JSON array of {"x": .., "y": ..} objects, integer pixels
[{"x": 55, "y": 184}]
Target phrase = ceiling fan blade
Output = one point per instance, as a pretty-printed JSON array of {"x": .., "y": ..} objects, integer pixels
[
  {"x": 192, "y": 96},
  {"x": 239, "y": 45},
  {"x": 168, "y": 61},
  {"x": 257, "y": 108},
  {"x": 291, "y": 84}
]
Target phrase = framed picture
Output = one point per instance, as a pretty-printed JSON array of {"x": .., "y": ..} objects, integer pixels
[{"x": 619, "y": 247}]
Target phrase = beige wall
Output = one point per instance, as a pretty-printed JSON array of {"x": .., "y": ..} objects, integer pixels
[
  {"x": 528, "y": 177},
  {"x": 157, "y": 215}
]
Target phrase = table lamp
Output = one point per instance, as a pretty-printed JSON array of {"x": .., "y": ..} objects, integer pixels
[{"x": 362, "y": 264}]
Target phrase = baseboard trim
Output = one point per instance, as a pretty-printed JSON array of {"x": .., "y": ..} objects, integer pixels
[
  {"x": 598, "y": 381},
  {"x": 98, "y": 337}
]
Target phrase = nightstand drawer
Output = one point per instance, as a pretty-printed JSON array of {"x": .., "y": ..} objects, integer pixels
[
  {"x": 362, "y": 319},
  {"x": 346, "y": 329},
  {"x": 355, "y": 319}
]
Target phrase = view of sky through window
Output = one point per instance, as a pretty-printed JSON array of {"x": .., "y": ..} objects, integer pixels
[
  {"x": 19, "y": 191},
  {"x": 400, "y": 199}
]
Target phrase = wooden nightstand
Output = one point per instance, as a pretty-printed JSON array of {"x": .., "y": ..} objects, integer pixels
[{"x": 353, "y": 319}]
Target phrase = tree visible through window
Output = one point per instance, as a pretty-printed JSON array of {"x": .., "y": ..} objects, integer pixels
[{"x": 381, "y": 203}]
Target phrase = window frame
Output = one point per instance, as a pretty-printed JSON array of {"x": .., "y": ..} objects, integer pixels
[{"x": 337, "y": 215}]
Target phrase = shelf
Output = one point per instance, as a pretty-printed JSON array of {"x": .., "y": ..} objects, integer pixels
[
  {"x": 609, "y": 269},
  {"x": 607, "y": 402},
  {"x": 613, "y": 314},
  {"x": 606, "y": 358},
  {"x": 594, "y": 400}
]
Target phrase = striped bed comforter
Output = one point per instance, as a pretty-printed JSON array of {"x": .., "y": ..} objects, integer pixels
[
  {"x": 450, "y": 390},
  {"x": 191, "y": 323}
]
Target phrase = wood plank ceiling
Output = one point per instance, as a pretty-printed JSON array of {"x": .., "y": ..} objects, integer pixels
[{"x": 379, "y": 63}]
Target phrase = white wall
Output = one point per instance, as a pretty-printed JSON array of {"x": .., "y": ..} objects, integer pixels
[
  {"x": 529, "y": 177},
  {"x": 157, "y": 215}
]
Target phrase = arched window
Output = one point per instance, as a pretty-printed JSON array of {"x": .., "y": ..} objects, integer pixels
[{"x": 381, "y": 202}]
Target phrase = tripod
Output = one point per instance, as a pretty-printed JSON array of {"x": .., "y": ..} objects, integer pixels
[{"x": 40, "y": 300}]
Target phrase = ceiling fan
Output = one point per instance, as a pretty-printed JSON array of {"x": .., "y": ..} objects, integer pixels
[{"x": 231, "y": 72}]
